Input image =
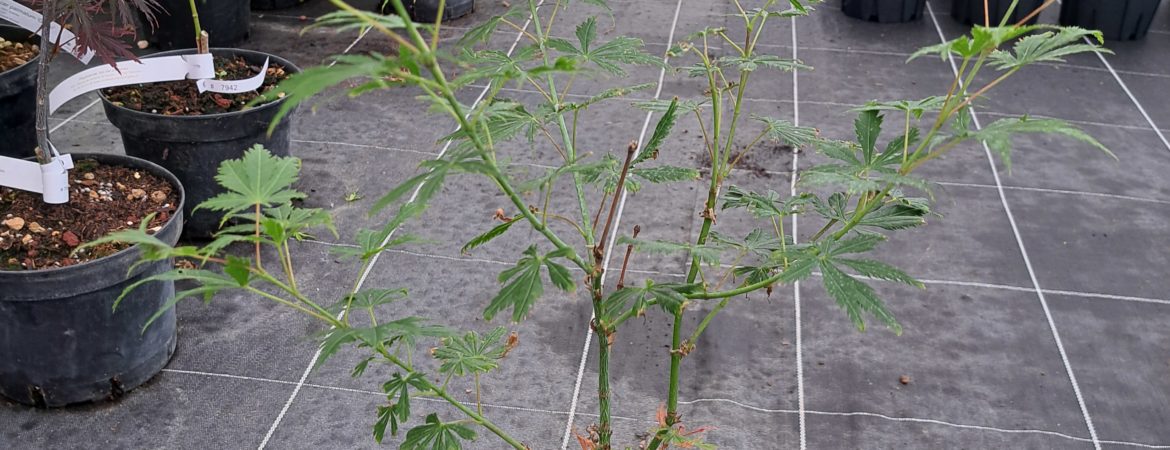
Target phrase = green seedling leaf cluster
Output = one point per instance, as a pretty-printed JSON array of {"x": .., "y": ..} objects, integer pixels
[{"x": 868, "y": 188}]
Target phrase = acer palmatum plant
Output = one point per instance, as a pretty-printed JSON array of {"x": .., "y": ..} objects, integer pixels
[
  {"x": 865, "y": 192},
  {"x": 100, "y": 26}
]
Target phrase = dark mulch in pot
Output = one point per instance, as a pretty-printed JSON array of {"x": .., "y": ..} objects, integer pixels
[
  {"x": 182, "y": 98},
  {"x": 102, "y": 199},
  {"x": 15, "y": 54}
]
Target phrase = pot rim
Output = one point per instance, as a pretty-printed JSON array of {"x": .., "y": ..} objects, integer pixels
[
  {"x": 273, "y": 104},
  {"x": 156, "y": 170}
]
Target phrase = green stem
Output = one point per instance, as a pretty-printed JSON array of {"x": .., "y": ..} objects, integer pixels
[
  {"x": 707, "y": 321},
  {"x": 605, "y": 430},
  {"x": 195, "y": 19}
]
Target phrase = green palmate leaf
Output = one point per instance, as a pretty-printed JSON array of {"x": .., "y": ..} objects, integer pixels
[
  {"x": 239, "y": 269},
  {"x": 398, "y": 394},
  {"x": 894, "y": 216},
  {"x": 436, "y": 435},
  {"x": 856, "y": 244},
  {"x": 560, "y": 276},
  {"x": 701, "y": 69},
  {"x": 259, "y": 178},
  {"x": 661, "y": 131},
  {"x": 668, "y": 296},
  {"x": 590, "y": 170},
  {"x": 483, "y": 32},
  {"x": 708, "y": 253},
  {"x": 371, "y": 242},
  {"x": 343, "y": 20},
  {"x": 665, "y": 174},
  {"x": 600, "y": 4},
  {"x": 833, "y": 208},
  {"x": 292, "y": 222},
  {"x": 471, "y": 353},
  {"x": 586, "y": 33},
  {"x": 606, "y": 95},
  {"x": 386, "y": 416},
  {"x": 839, "y": 175},
  {"x": 496, "y": 65},
  {"x": 797, "y": 8},
  {"x": 899, "y": 147},
  {"x": 1051, "y": 46},
  {"x": 868, "y": 126},
  {"x": 879, "y": 270},
  {"x": 998, "y": 135},
  {"x": 208, "y": 284},
  {"x": 522, "y": 284},
  {"x": 484, "y": 238},
  {"x": 608, "y": 56},
  {"x": 371, "y": 298},
  {"x": 501, "y": 122},
  {"x": 424, "y": 186},
  {"x": 407, "y": 329},
  {"x": 681, "y": 106},
  {"x": 914, "y": 107},
  {"x": 309, "y": 82},
  {"x": 753, "y": 62},
  {"x": 766, "y": 205},
  {"x": 788, "y": 133},
  {"x": 607, "y": 172},
  {"x": 756, "y": 242},
  {"x": 361, "y": 367},
  {"x": 855, "y": 297}
]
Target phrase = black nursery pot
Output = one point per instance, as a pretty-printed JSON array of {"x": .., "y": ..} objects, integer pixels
[
  {"x": 970, "y": 12},
  {"x": 227, "y": 21},
  {"x": 61, "y": 340},
  {"x": 18, "y": 94},
  {"x": 884, "y": 11},
  {"x": 428, "y": 10},
  {"x": 275, "y": 4},
  {"x": 192, "y": 147},
  {"x": 1119, "y": 20}
]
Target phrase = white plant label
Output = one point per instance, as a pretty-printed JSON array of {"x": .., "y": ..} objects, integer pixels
[
  {"x": 146, "y": 70},
  {"x": 28, "y": 19},
  {"x": 233, "y": 86},
  {"x": 50, "y": 180}
]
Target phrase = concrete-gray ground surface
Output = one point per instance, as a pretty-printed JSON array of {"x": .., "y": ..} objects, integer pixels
[{"x": 1043, "y": 325}]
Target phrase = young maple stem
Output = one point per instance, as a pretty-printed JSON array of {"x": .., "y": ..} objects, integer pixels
[
  {"x": 621, "y": 185},
  {"x": 257, "y": 235},
  {"x": 478, "y": 403},
  {"x": 604, "y": 429},
  {"x": 202, "y": 40},
  {"x": 626, "y": 261},
  {"x": 43, "y": 152}
]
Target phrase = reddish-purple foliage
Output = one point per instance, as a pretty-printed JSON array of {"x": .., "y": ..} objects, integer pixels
[{"x": 101, "y": 25}]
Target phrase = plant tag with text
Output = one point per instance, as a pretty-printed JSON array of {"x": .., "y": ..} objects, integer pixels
[
  {"x": 50, "y": 180},
  {"x": 233, "y": 86},
  {"x": 28, "y": 19},
  {"x": 146, "y": 70}
]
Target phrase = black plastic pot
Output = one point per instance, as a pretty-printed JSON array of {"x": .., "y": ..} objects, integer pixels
[
  {"x": 428, "y": 10},
  {"x": 1119, "y": 20},
  {"x": 18, "y": 94},
  {"x": 970, "y": 12},
  {"x": 192, "y": 147},
  {"x": 275, "y": 4},
  {"x": 61, "y": 341},
  {"x": 884, "y": 11},
  {"x": 227, "y": 21}
]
